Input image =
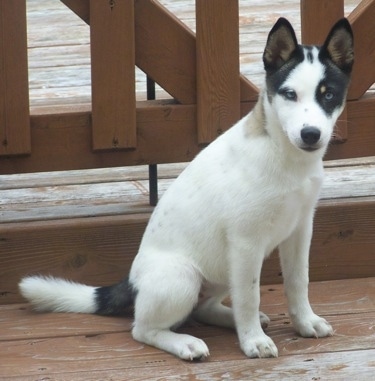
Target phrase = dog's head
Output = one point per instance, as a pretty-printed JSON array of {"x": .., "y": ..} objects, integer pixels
[{"x": 306, "y": 85}]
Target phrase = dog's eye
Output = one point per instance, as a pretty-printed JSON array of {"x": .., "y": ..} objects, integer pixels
[
  {"x": 328, "y": 96},
  {"x": 290, "y": 95}
]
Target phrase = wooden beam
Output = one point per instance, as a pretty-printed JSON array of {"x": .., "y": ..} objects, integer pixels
[
  {"x": 362, "y": 20},
  {"x": 62, "y": 140},
  {"x": 317, "y": 18},
  {"x": 113, "y": 74},
  {"x": 100, "y": 250},
  {"x": 80, "y": 7},
  {"x": 14, "y": 91},
  {"x": 165, "y": 49},
  {"x": 218, "y": 84}
]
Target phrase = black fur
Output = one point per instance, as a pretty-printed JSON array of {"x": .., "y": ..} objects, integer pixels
[{"x": 115, "y": 300}]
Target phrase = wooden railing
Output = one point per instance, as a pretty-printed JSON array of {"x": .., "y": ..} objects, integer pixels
[{"x": 200, "y": 71}]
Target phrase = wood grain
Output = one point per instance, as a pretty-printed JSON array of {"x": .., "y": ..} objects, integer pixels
[
  {"x": 14, "y": 94},
  {"x": 112, "y": 72},
  {"x": 218, "y": 85},
  {"x": 88, "y": 227},
  {"x": 65, "y": 138},
  {"x": 314, "y": 30},
  {"x": 364, "y": 40},
  {"x": 83, "y": 347}
]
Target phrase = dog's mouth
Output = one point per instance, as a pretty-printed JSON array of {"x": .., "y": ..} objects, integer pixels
[{"x": 310, "y": 148}]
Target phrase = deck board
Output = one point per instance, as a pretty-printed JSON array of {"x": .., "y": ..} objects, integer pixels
[
  {"x": 86, "y": 347},
  {"x": 124, "y": 190}
]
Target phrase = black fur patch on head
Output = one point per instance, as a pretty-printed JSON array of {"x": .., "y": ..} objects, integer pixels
[
  {"x": 331, "y": 91},
  {"x": 114, "y": 300},
  {"x": 309, "y": 54},
  {"x": 275, "y": 79}
]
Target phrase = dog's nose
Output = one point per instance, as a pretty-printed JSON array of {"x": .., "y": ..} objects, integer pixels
[{"x": 310, "y": 135}]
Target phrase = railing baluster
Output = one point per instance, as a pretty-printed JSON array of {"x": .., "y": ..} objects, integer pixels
[{"x": 14, "y": 91}]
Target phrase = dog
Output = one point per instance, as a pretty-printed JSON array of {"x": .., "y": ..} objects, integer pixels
[{"x": 255, "y": 188}]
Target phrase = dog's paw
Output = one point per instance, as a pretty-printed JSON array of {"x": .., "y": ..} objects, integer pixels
[
  {"x": 260, "y": 346},
  {"x": 264, "y": 320},
  {"x": 313, "y": 326},
  {"x": 192, "y": 349}
]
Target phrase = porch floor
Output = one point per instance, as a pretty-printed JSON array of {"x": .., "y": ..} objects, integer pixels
[{"x": 86, "y": 347}]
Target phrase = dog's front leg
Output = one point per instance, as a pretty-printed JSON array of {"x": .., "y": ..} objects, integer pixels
[
  {"x": 245, "y": 267},
  {"x": 294, "y": 255}
]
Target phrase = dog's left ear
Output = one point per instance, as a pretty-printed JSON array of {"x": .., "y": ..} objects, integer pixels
[{"x": 338, "y": 46}]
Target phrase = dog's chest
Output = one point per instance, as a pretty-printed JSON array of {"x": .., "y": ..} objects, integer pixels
[{"x": 290, "y": 208}]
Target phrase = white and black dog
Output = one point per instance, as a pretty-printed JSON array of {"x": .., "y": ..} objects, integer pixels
[{"x": 253, "y": 189}]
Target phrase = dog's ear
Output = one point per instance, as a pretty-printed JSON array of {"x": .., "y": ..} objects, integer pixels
[
  {"x": 338, "y": 46},
  {"x": 281, "y": 44}
]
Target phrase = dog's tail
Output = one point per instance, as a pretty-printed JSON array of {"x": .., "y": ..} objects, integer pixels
[{"x": 60, "y": 295}]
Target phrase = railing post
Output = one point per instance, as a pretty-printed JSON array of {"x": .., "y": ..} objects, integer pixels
[
  {"x": 113, "y": 74},
  {"x": 317, "y": 18},
  {"x": 14, "y": 86},
  {"x": 218, "y": 78}
]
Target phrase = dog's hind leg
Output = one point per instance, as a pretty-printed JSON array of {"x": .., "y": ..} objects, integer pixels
[
  {"x": 164, "y": 302},
  {"x": 212, "y": 311}
]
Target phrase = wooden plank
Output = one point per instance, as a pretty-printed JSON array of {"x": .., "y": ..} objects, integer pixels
[
  {"x": 101, "y": 248},
  {"x": 80, "y": 7},
  {"x": 317, "y": 18},
  {"x": 363, "y": 76},
  {"x": 113, "y": 355},
  {"x": 89, "y": 176},
  {"x": 360, "y": 131},
  {"x": 218, "y": 85},
  {"x": 342, "y": 243},
  {"x": 176, "y": 71},
  {"x": 14, "y": 95},
  {"x": 330, "y": 367},
  {"x": 112, "y": 74},
  {"x": 64, "y": 138},
  {"x": 120, "y": 191},
  {"x": 19, "y": 322},
  {"x": 95, "y": 250}
]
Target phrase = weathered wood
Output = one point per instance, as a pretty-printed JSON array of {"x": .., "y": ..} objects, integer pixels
[
  {"x": 90, "y": 228},
  {"x": 317, "y": 18},
  {"x": 362, "y": 20},
  {"x": 218, "y": 85},
  {"x": 102, "y": 348},
  {"x": 112, "y": 72},
  {"x": 115, "y": 191},
  {"x": 65, "y": 138},
  {"x": 80, "y": 7},
  {"x": 14, "y": 93}
]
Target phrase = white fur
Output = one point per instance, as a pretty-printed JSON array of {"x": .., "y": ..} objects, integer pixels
[
  {"x": 58, "y": 295},
  {"x": 250, "y": 191}
]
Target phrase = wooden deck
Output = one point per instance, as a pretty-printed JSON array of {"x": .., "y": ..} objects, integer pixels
[{"x": 84, "y": 347}]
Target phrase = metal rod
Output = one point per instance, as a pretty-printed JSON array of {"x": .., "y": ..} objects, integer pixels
[
  {"x": 152, "y": 168},
  {"x": 153, "y": 183}
]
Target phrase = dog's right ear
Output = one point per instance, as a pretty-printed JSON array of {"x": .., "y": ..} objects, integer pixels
[{"x": 281, "y": 44}]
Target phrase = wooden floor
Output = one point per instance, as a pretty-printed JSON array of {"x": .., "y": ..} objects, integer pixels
[{"x": 85, "y": 347}]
